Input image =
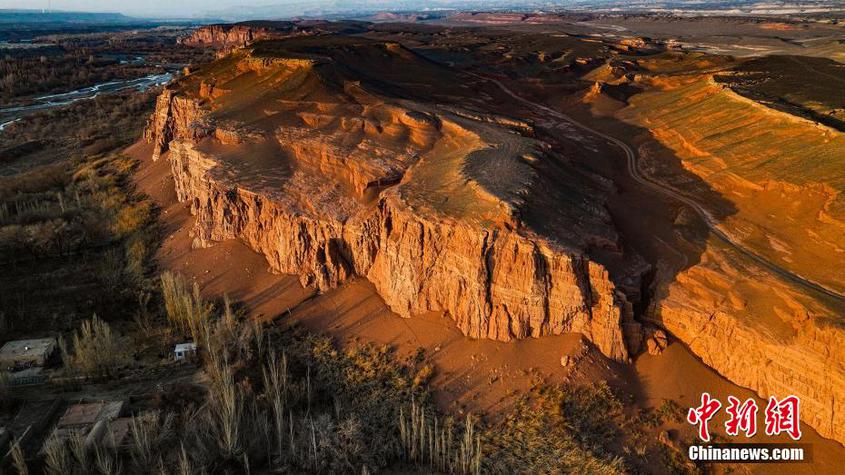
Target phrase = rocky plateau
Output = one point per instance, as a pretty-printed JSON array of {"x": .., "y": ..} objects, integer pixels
[
  {"x": 330, "y": 179},
  {"x": 297, "y": 149}
]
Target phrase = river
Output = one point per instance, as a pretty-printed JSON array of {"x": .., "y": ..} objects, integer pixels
[{"x": 11, "y": 115}]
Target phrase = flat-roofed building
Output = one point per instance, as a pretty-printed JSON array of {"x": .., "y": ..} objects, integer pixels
[
  {"x": 82, "y": 419},
  {"x": 18, "y": 354},
  {"x": 87, "y": 414}
]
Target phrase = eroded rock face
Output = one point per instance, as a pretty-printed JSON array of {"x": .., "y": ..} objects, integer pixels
[
  {"x": 761, "y": 334},
  {"x": 495, "y": 283},
  {"x": 230, "y": 35},
  {"x": 238, "y": 35},
  {"x": 173, "y": 118},
  {"x": 392, "y": 200}
]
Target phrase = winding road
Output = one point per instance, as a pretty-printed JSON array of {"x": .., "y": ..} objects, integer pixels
[{"x": 709, "y": 220}]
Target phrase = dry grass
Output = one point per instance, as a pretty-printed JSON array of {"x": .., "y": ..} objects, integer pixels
[
  {"x": 97, "y": 351},
  {"x": 283, "y": 400},
  {"x": 557, "y": 430},
  {"x": 426, "y": 441},
  {"x": 106, "y": 462},
  {"x": 186, "y": 309},
  {"x": 226, "y": 403},
  {"x": 56, "y": 457},
  {"x": 18, "y": 458}
]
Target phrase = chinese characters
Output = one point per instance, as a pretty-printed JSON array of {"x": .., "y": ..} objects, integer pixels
[{"x": 781, "y": 416}]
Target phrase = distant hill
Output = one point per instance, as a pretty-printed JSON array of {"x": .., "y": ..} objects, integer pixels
[{"x": 38, "y": 16}]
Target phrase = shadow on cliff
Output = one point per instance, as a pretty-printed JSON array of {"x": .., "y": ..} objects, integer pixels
[
  {"x": 656, "y": 237},
  {"x": 652, "y": 226},
  {"x": 572, "y": 184},
  {"x": 668, "y": 235}
]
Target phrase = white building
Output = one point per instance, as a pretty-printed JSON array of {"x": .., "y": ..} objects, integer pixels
[{"x": 184, "y": 350}]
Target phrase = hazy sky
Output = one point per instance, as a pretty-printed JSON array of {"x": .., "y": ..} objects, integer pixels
[
  {"x": 140, "y": 7},
  {"x": 192, "y": 8}
]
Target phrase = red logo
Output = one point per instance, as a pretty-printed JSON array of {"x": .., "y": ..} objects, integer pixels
[
  {"x": 702, "y": 414},
  {"x": 742, "y": 417},
  {"x": 782, "y": 416}
]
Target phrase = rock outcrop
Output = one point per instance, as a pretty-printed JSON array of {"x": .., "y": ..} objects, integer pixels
[
  {"x": 494, "y": 283},
  {"x": 173, "y": 118},
  {"x": 236, "y": 35},
  {"x": 354, "y": 184},
  {"x": 774, "y": 182}
]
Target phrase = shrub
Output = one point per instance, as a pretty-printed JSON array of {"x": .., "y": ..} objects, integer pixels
[
  {"x": 185, "y": 308},
  {"x": 131, "y": 218},
  {"x": 97, "y": 351}
]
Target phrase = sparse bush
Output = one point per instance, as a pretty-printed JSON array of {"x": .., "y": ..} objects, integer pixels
[
  {"x": 81, "y": 205},
  {"x": 137, "y": 253},
  {"x": 97, "y": 351},
  {"x": 143, "y": 317},
  {"x": 423, "y": 375},
  {"x": 131, "y": 217},
  {"x": 18, "y": 458},
  {"x": 185, "y": 307},
  {"x": 426, "y": 441},
  {"x": 542, "y": 434},
  {"x": 111, "y": 270},
  {"x": 290, "y": 402},
  {"x": 590, "y": 412}
]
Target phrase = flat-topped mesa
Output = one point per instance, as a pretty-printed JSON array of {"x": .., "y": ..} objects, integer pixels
[
  {"x": 260, "y": 64},
  {"x": 330, "y": 181},
  {"x": 238, "y": 34}
]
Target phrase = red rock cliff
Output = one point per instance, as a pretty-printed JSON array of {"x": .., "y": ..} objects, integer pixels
[
  {"x": 229, "y": 35},
  {"x": 495, "y": 282}
]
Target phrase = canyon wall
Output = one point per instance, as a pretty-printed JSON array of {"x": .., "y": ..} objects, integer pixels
[
  {"x": 495, "y": 283},
  {"x": 497, "y": 280}
]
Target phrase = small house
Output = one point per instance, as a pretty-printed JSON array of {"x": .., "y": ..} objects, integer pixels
[
  {"x": 184, "y": 350},
  {"x": 20, "y": 354},
  {"x": 89, "y": 420}
]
